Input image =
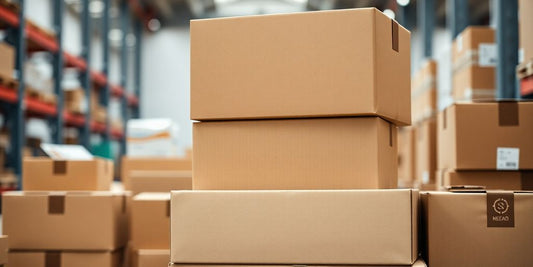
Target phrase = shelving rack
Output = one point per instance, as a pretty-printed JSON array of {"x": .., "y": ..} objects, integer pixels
[{"x": 19, "y": 106}]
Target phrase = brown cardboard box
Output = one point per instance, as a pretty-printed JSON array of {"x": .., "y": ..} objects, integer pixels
[
  {"x": 294, "y": 227},
  {"x": 426, "y": 151},
  {"x": 150, "y": 222},
  {"x": 479, "y": 229},
  {"x": 418, "y": 263},
  {"x": 152, "y": 258},
  {"x": 74, "y": 100},
  {"x": 159, "y": 181},
  {"x": 406, "y": 154},
  {"x": 7, "y": 64},
  {"x": 130, "y": 164},
  {"x": 471, "y": 134},
  {"x": 313, "y": 64},
  {"x": 473, "y": 56},
  {"x": 43, "y": 173},
  {"x": 336, "y": 153},
  {"x": 94, "y": 220},
  {"x": 526, "y": 31},
  {"x": 424, "y": 92},
  {"x": 491, "y": 180},
  {"x": 3, "y": 249},
  {"x": 64, "y": 259}
]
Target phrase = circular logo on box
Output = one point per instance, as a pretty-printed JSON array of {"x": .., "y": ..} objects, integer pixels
[{"x": 500, "y": 206}]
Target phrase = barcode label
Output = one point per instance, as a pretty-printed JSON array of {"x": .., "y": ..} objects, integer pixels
[
  {"x": 488, "y": 56},
  {"x": 507, "y": 158}
]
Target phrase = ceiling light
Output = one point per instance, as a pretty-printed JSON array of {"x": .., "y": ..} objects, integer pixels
[
  {"x": 389, "y": 13},
  {"x": 403, "y": 2},
  {"x": 154, "y": 25}
]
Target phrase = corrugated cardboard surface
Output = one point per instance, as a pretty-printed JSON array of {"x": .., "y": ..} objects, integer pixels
[
  {"x": 7, "y": 65},
  {"x": 46, "y": 174},
  {"x": 294, "y": 227},
  {"x": 4, "y": 245},
  {"x": 65, "y": 221},
  {"x": 150, "y": 221},
  {"x": 312, "y": 64},
  {"x": 152, "y": 258},
  {"x": 426, "y": 151},
  {"x": 159, "y": 181},
  {"x": 471, "y": 37},
  {"x": 337, "y": 153},
  {"x": 147, "y": 164},
  {"x": 526, "y": 29},
  {"x": 458, "y": 235},
  {"x": 64, "y": 259},
  {"x": 491, "y": 180},
  {"x": 418, "y": 263},
  {"x": 406, "y": 153},
  {"x": 424, "y": 91},
  {"x": 470, "y": 133}
]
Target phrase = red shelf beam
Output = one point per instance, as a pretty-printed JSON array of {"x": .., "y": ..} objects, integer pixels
[{"x": 74, "y": 62}]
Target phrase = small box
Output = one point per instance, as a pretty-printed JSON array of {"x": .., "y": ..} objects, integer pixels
[
  {"x": 525, "y": 22},
  {"x": 65, "y": 258},
  {"x": 338, "y": 63},
  {"x": 490, "y": 180},
  {"x": 151, "y": 258},
  {"x": 57, "y": 220},
  {"x": 406, "y": 154},
  {"x": 7, "y": 65},
  {"x": 486, "y": 136},
  {"x": 130, "y": 164},
  {"x": 478, "y": 228},
  {"x": 150, "y": 221},
  {"x": 160, "y": 181},
  {"x": 424, "y": 92},
  {"x": 42, "y": 173},
  {"x": 426, "y": 151},
  {"x": 295, "y": 227},
  {"x": 335, "y": 153},
  {"x": 4, "y": 247}
]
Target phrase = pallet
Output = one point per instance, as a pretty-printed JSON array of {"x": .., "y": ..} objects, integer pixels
[
  {"x": 8, "y": 82},
  {"x": 525, "y": 69}
]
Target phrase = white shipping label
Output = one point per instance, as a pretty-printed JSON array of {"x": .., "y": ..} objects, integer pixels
[
  {"x": 459, "y": 43},
  {"x": 521, "y": 55},
  {"x": 425, "y": 177},
  {"x": 488, "y": 56},
  {"x": 507, "y": 158}
]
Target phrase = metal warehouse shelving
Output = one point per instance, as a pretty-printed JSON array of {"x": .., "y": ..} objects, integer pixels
[{"x": 19, "y": 106}]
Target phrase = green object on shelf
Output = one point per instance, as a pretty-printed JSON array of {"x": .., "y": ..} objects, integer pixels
[{"x": 103, "y": 149}]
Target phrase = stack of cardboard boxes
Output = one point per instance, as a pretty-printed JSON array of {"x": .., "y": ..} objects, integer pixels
[
  {"x": 75, "y": 101},
  {"x": 316, "y": 110},
  {"x": 72, "y": 227}
]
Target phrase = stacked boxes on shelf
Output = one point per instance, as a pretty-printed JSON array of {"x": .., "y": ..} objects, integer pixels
[
  {"x": 474, "y": 59},
  {"x": 75, "y": 101},
  {"x": 326, "y": 121},
  {"x": 7, "y": 66},
  {"x": 72, "y": 227}
]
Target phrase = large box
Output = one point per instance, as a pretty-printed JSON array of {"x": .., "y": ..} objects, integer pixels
[
  {"x": 406, "y": 154},
  {"x": 336, "y": 153},
  {"x": 7, "y": 65},
  {"x": 525, "y": 24},
  {"x": 151, "y": 258},
  {"x": 150, "y": 221},
  {"x": 130, "y": 164},
  {"x": 65, "y": 221},
  {"x": 313, "y": 64},
  {"x": 159, "y": 181},
  {"x": 479, "y": 229},
  {"x": 42, "y": 173},
  {"x": 486, "y": 136},
  {"x": 426, "y": 151},
  {"x": 4, "y": 246},
  {"x": 424, "y": 91},
  {"x": 65, "y": 259},
  {"x": 491, "y": 180},
  {"x": 418, "y": 263},
  {"x": 474, "y": 59},
  {"x": 294, "y": 227}
]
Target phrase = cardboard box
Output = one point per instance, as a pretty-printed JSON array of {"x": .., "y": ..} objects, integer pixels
[
  {"x": 298, "y": 66},
  {"x": 7, "y": 65},
  {"x": 75, "y": 100},
  {"x": 418, "y": 263},
  {"x": 424, "y": 91},
  {"x": 150, "y": 221},
  {"x": 479, "y": 229},
  {"x": 152, "y": 138},
  {"x": 525, "y": 22},
  {"x": 474, "y": 58},
  {"x": 130, "y": 164},
  {"x": 4, "y": 246},
  {"x": 160, "y": 181},
  {"x": 491, "y": 180},
  {"x": 406, "y": 154},
  {"x": 337, "y": 153},
  {"x": 294, "y": 227},
  {"x": 57, "y": 220},
  {"x": 42, "y": 173},
  {"x": 65, "y": 258},
  {"x": 426, "y": 151},
  {"x": 152, "y": 258},
  {"x": 486, "y": 136}
]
